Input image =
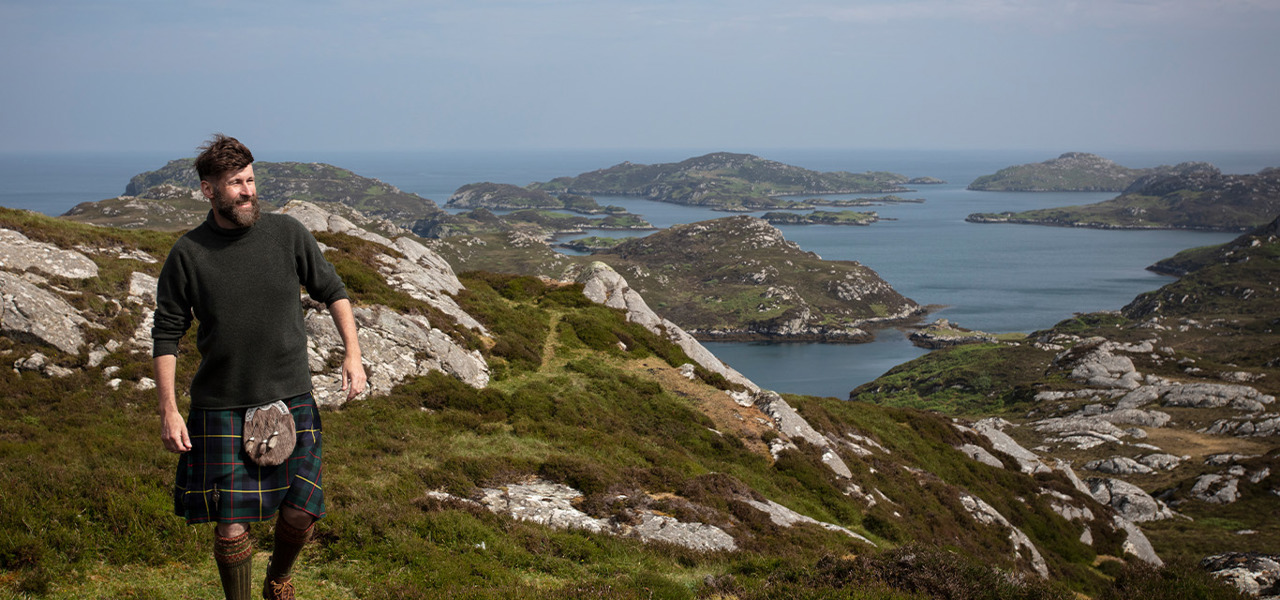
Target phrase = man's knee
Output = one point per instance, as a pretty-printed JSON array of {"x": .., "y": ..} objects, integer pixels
[
  {"x": 297, "y": 519},
  {"x": 230, "y": 530}
]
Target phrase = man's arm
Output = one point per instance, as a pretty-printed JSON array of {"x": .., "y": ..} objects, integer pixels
[
  {"x": 353, "y": 375},
  {"x": 173, "y": 429}
]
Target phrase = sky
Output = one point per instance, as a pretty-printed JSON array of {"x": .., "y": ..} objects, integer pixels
[{"x": 399, "y": 75}]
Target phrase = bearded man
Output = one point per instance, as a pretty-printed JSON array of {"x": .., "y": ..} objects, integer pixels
[{"x": 240, "y": 274}]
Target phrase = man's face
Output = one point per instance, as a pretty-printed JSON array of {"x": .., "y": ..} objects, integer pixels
[{"x": 234, "y": 198}]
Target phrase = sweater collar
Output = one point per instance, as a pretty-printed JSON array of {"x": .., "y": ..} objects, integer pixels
[{"x": 229, "y": 233}]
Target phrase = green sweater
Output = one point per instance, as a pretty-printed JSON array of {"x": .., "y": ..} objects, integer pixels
[{"x": 242, "y": 285}]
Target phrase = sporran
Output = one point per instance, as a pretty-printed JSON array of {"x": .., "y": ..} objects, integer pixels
[{"x": 269, "y": 433}]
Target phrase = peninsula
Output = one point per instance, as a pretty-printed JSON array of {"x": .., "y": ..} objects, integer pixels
[{"x": 1070, "y": 172}]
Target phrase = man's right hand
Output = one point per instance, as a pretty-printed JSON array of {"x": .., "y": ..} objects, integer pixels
[{"x": 173, "y": 431}]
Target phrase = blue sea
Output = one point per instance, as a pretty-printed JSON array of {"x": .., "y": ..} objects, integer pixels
[{"x": 997, "y": 278}]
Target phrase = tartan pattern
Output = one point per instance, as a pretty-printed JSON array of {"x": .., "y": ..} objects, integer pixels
[{"x": 216, "y": 481}]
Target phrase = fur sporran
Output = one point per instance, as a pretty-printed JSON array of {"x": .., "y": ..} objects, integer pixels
[{"x": 269, "y": 434}]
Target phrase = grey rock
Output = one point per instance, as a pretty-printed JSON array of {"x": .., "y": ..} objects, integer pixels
[
  {"x": 1102, "y": 368},
  {"x": 551, "y": 504},
  {"x": 988, "y": 515},
  {"x": 19, "y": 253},
  {"x": 1119, "y": 465},
  {"x": 992, "y": 429},
  {"x": 1134, "y": 416},
  {"x": 31, "y": 313},
  {"x": 40, "y": 363},
  {"x": 785, "y": 517},
  {"x": 394, "y": 347},
  {"x": 981, "y": 455},
  {"x": 1252, "y": 573},
  {"x": 1216, "y": 489},
  {"x": 1161, "y": 461},
  {"x": 1217, "y": 395},
  {"x": 1129, "y": 500},
  {"x": 1136, "y": 542},
  {"x": 1244, "y": 427},
  {"x": 792, "y": 425}
]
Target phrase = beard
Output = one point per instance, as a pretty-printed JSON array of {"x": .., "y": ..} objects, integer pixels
[{"x": 241, "y": 217}]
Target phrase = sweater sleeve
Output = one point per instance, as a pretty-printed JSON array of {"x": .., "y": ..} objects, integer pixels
[
  {"x": 173, "y": 308},
  {"x": 315, "y": 271}
]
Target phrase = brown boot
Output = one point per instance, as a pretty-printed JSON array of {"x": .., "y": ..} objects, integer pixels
[
  {"x": 234, "y": 556},
  {"x": 278, "y": 584}
]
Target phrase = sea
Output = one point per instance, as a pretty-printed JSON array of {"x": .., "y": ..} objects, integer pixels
[{"x": 992, "y": 277}]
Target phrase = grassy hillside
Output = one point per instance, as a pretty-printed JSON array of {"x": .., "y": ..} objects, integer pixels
[{"x": 579, "y": 397}]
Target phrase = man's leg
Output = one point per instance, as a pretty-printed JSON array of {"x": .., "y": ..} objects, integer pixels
[
  {"x": 293, "y": 529},
  {"x": 233, "y": 551}
]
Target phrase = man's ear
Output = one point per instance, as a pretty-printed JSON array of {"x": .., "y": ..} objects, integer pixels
[{"x": 207, "y": 189}]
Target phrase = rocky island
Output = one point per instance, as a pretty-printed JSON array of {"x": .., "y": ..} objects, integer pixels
[
  {"x": 1070, "y": 172},
  {"x": 738, "y": 278},
  {"x": 169, "y": 198},
  {"x": 1194, "y": 196},
  {"x": 722, "y": 180},
  {"x": 821, "y": 217}
]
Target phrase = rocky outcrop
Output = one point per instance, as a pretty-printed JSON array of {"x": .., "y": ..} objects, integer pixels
[
  {"x": 944, "y": 334},
  {"x": 603, "y": 285},
  {"x": 1129, "y": 500},
  {"x": 1253, "y": 573},
  {"x": 18, "y": 253},
  {"x": 30, "y": 312},
  {"x": 993, "y": 430},
  {"x": 551, "y": 504},
  {"x": 394, "y": 347},
  {"x": 988, "y": 515},
  {"x": 785, "y": 517}
]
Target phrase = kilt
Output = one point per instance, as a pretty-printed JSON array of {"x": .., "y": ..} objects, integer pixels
[{"x": 216, "y": 481}]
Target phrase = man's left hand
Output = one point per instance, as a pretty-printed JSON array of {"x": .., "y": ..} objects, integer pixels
[{"x": 353, "y": 377}]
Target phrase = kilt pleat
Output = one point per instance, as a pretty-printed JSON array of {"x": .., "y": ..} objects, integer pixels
[{"x": 217, "y": 482}]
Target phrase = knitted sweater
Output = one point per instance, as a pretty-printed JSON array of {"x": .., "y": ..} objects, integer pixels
[{"x": 242, "y": 285}]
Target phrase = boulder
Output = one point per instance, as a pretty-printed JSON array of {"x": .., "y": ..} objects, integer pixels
[
  {"x": 1129, "y": 500},
  {"x": 1244, "y": 427},
  {"x": 792, "y": 425},
  {"x": 1161, "y": 461},
  {"x": 1136, "y": 542},
  {"x": 29, "y": 312},
  {"x": 1252, "y": 573},
  {"x": 19, "y": 253},
  {"x": 1102, "y": 368},
  {"x": 992, "y": 429},
  {"x": 1216, "y": 489},
  {"x": 1119, "y": 465},
  {"x": 981, "y": 455}
]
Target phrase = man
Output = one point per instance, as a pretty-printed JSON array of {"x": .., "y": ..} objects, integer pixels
[{"x": 240, "y": 274}]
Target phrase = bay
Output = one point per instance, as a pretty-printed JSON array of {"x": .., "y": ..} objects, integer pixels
[{"x": 994, "y": 277}]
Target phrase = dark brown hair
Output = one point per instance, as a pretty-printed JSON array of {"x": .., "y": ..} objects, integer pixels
[{"x": 222, "y": 154}]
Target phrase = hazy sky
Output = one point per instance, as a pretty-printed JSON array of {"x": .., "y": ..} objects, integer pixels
[{"x": 161, "y": 75}]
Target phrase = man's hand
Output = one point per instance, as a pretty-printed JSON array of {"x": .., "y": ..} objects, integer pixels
[
  {"x": 173, "y": 431},
  {"x": 353, "y": 376}
]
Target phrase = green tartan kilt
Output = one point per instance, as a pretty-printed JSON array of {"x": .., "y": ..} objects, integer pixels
[{"x": 217, "y": 482}]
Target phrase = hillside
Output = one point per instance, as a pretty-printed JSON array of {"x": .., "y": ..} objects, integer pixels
[
  {"x": 739, "y": 278},
  {"x": 721, "y": 180},
  {"x": 1198, "y": 196},
  {"x": 169, "y": 198},
  {"x": 522, "y": 438},
  {"x": 1070, "y": 172},
  {"x": 1171, "y": 398}
]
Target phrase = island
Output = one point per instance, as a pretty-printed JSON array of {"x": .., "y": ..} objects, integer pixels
[
  {"x": 822, "y": 217},
  {"x": 1070, "y": 172},
  {"x": 1195, "y": 196},
  {"x": 722, "y": 181}
]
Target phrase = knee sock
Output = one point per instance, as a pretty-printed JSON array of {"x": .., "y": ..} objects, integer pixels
[
  {"x": 289, "y": 543},
  {"x": 234, "y": 556}
]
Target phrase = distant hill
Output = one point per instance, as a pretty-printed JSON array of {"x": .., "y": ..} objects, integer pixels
[
  {"x": 1196, "y": 196},
  {"x": 1070, "y": 172},
  {"x": 722, "y": 180},
  {"x": 169, "y": 197}
]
